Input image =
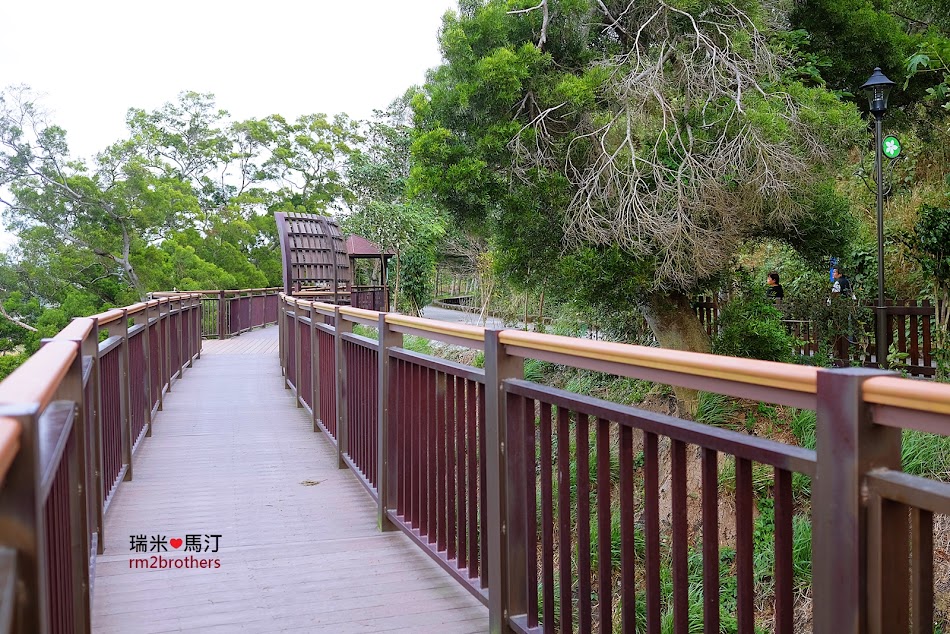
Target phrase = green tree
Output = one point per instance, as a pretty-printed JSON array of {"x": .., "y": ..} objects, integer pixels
[
  {"x": 621, "y": 154},
  {"x": 930, "y": 246},
  {"x": 383, "y": 212}
]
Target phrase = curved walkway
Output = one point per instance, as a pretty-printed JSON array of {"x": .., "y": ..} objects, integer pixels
[{"x": 298, "y": 550}]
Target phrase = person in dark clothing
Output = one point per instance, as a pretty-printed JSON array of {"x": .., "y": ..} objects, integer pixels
[
  {"x": 842, "y": 283},
  {"x": 774, "y": 290}
]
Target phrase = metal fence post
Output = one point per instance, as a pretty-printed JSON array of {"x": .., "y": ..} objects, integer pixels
[
  {"x": 298, "y": 349},
  {"x": 281, "y": 333},
  {"x": 95, "y": 382},
  {"x": 387, "y": 472},
  {"x": 23, "y": 528},
  {"x": 315, "y": 366},
  {"x": 71, "y": 389},
  {"x": 340, "y": 326},
  {"x": 120, "y": 328},
  {"x": 180, "y": 335},
  {"x": 167, "y": 349},
  {"x": 849, "y": 445},
  {"x": 142, "y": 318},
  {"x": 192, "y": 311},
  {"x": 507, "y": 579},
  {"x": 222, "y": 316}
]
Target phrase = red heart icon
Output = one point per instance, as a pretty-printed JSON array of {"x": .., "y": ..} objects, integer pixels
[{"x": 175, "y": 542}]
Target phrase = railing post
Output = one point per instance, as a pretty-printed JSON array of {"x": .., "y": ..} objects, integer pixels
[
  {"x": 120, "y": 328},
  {"x": 222, "y": 316},
  {"x": 342, "y": 439},
  {"x": 142, "y": 318},
  {"x": 281, "y": 333},
  {"x": 387, "y": 473},
  {"x": 71, "y": 389},
  {"x": 167, "y": 352},
  {"x": 23, "y": 528},
  {"x": 191, "y": 330},
  {"x": 314, "y": 366},
  {"x": 849, "y": 445},
  {"x": 154, "y": 313},
  {"x": 95, "y": 420},
  {"x": 180, "y": 335},
  {"x": 507, "y": 579},
  {"x": 199, "y": 320},
  {"x": 298, "y": 362},
  {"x": 288, "y": 359}
]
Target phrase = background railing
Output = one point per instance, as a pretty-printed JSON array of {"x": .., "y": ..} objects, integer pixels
[
  {"x": 71, "y": 419},
  {"x": 544, "y": 504},
  {"x": 229, "y": 313},
  {"x": 910, "y": 327}
]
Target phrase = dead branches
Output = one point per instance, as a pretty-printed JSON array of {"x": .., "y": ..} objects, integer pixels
[{"x": 694, "y": 148}]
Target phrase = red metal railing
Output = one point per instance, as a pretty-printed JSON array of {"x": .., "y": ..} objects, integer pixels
[
  {"x": 360, "y": 367},
  {"x": 79, "y": 407},
  {"x": 543, "y": 502},
  {"x": 230, "y": 313}
]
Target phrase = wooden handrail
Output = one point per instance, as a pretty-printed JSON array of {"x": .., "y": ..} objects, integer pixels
[
  {"x": 473, "y": 333},
  {"x": 915, "y": 395},
  {"x": 76, "y": 330},
  {"x": 766, "y": 373},
  {"x": 359, "y": 312},
  {"x": 109, "y": 316},
  {"x": 10, "y": 430},
  {"x": 35, "y": 382}
]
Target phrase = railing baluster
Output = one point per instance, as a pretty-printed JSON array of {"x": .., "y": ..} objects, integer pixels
[
  {"x": 432, "y": 473},
  {"x": 744, "y": 545},
  {"x": 547, "y": 520},
  {"x": 565, "y": 543},
  {"x": 462, "y": 449},
  {"x": 451, "y": 416},
  {"x": 475, "y": 456},
  {"x": 922, "y": 571},
  {"x": 604, "y": 539},
  {"x": 784, "y": 573},
  {"x": 710, "y": 484},
  {"x": 651, "y": 500},
  {"x": 628, "y": 590},
  {"x": 680, "y": 538},
  {"x": 440, "y": 462},
  {"x": 521, "y": 422},
  {"x": 583, "y": 523}
]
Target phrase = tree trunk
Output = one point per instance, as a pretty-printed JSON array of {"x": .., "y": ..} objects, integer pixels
[{"x": 674, "y": 323}]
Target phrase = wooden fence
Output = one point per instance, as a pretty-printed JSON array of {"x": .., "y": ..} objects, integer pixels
[{"x": 910, "y": 324}]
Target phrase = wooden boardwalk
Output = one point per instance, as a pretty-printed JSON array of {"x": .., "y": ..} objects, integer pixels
[{"x": 298, "y": 550}]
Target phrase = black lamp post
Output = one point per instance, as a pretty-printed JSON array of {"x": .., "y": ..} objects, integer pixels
[{"x": 877, "y": 88}]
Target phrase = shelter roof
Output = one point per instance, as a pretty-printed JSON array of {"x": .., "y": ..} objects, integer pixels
[{"x": 360, "y": 247}]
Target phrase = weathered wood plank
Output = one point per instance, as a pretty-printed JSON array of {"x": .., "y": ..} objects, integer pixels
[{"x": 299, "y": 549}]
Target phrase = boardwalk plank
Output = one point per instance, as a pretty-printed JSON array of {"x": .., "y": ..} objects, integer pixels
[{"x": 232, "y": 455}]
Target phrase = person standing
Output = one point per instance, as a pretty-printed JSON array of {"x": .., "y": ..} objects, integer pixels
[
  {"x": 842, "y": 285},
  {"x": 774, "y": 290}
]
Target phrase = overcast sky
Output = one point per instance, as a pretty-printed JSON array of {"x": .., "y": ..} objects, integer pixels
[{"x": 94, "y": 60}]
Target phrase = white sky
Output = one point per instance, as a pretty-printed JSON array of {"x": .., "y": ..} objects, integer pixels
[{"x": 91, "y": 61}]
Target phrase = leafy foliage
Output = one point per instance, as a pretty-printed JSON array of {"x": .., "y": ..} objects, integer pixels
[{"x": 751, "y": 326}]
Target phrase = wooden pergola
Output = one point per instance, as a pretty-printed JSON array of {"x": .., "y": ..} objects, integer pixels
[{"x": 319, "y": 262}]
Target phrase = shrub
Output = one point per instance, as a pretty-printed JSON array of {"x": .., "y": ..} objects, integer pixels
[{"x": 751, "y": 327}]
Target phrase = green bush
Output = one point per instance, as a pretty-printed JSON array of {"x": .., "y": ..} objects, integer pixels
[{"x": 752, "y": 327}]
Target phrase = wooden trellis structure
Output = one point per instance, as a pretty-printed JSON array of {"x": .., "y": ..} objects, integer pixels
[{"x": 318, "y": 262}]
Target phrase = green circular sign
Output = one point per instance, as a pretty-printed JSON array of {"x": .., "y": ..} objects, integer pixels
[{"x": 891, "y": 147}]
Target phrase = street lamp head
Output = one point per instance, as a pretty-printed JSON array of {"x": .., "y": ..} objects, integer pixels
[{"x": 877, "y": 88}]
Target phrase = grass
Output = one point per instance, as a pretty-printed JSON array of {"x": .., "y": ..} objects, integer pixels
[{"x": 926, "y": 455}]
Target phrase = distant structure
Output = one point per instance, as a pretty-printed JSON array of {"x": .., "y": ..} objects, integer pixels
[{"x": 320, "y": 263}]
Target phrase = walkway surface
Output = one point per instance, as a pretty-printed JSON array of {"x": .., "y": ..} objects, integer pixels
[{"x": 298, "y": 550}]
